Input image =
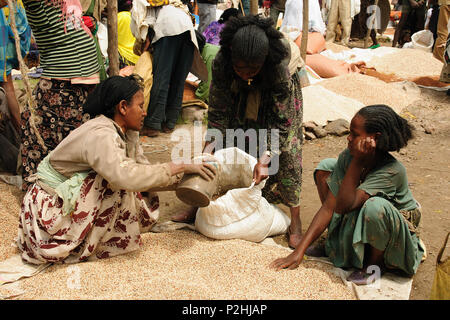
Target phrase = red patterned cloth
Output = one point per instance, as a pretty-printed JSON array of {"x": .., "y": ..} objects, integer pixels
[{"x": 105, "y": 223}]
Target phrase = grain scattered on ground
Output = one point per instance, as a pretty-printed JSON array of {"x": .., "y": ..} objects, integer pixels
[
  {"x": 10, "y": 201},
  {"x": 370, "y": 90},
  {"x": 407, "y": 64},
  {"x": 186, "y": 265}
]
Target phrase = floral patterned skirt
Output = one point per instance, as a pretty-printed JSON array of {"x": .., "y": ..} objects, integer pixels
[
  {"x": 104, "y": 223},
  {"x": 59, "y": 110}
]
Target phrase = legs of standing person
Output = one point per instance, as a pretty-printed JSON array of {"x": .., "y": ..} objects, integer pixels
[
  {"x": 401, "y": 24},
  {"x": 274, "y": 13},
  {"x": 165, "y": 51},
  {"x": 58, "y": 111},
  {"x": 442, "y": 32},
  {"x": 419, "y": 14},
  {"x": 13, "y": 104},
  {"x": 206, "y": 14},
  {"x": 332, "y": 21},
  {"x": 346, "y": 20},
  {"x": 183, "y": 64}
]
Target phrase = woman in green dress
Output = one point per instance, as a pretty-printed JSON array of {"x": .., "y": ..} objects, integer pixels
[{"x": 367, "y": 205}]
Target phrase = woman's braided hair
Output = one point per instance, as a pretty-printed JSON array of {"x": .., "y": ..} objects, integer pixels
[
  {"x": 395, "y": 131},
  {"x": 108, "y": 94},
  {"x": 253, "y": 39}
]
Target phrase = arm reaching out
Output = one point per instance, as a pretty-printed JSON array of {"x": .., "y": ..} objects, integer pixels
[{"x": 318, "y": 225}]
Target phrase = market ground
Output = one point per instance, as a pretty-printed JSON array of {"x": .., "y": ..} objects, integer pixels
[{"x": 425, "y": 158}]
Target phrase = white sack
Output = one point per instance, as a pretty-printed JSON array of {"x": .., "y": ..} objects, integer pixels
[{"x": 242, "y": 213}]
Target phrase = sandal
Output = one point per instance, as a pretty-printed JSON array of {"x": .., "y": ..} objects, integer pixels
[
  {"x": 361, "y": 277},
  {"x": 166, "y": 129}
]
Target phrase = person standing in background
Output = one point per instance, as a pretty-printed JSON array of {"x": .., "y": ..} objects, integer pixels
[
  {"x": 8, "y": 54},
  {"x": 209, "y": 52},
  {"x": 206, "y": 13},
  {"x": 442, "y": 31},
  {"x": 340, "y": 11},
  {"x": 125, "y": 37},
  {"x": 174, "y": 48},
  {"x": 276, "y": 7},
  {"x": 411, "y": 21},
  {"x": 70, "y": 70}
]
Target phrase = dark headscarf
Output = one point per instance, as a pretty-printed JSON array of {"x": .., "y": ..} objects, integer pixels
[
  {"x": 107, "y": 94},
  {"x": 227, "y": 14}
]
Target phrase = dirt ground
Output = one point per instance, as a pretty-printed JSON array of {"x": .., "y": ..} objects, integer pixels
[{"x": 425, "y": 158}]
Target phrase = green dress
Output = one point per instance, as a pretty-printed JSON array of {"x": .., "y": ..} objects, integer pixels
[
  {"x": 387, "y": 220},
  {"x": 209, "y": 52}
]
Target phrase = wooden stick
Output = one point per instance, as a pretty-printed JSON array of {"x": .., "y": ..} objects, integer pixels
[
  {"x": 254, "y": 7},
  {"x": 113, "y": 42},
  {"x": 242, "y": 8},
  {"x": 24, "y": 71},
  {"x": 305, "y": 30}
]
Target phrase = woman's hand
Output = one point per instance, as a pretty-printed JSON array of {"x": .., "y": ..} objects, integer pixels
[
  {"x": 290, "y": 262},
  {"x": 206, "y": 170},
  {"x": 365, "y": 149},
  {"x": 260, "y": 172}
]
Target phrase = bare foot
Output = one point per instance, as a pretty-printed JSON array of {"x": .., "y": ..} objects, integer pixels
[
  {"x": 187, "y": 216},
  {"x": 294, "y": 237}
]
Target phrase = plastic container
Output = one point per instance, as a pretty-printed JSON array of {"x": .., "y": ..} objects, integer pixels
[{"x": 196, "y": 191}]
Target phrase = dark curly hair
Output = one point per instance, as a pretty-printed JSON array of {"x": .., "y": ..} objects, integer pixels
[
  {"x": 254, "y": 39},
  {"x": 395, "y": 130},
  {"x": 124, "y": 5},
  {"x": 108, "y": 93}
]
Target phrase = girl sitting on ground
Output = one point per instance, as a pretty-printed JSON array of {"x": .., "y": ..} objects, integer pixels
[{"x": 367, "y": 205}]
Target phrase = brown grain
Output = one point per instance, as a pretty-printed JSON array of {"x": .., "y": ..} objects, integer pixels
[{"x": 187, "y": 265}]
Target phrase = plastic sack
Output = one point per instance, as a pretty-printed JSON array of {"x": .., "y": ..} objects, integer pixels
[
  {"x": 242, "y": 213},
  {"x": 422, "y": 40},
  {"x": 441, "y": 283}
]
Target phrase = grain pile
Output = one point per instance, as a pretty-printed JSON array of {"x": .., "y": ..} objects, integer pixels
[
  {"x": 186, "y": 265},
  {"x": 10, "y": 200},
  {"x": 336, "y": 47},
  {"x": 370, "y": 90},
  {"x": 407, "y": 64}
]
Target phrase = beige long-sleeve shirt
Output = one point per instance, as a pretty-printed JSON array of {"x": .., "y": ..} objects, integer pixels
[{"x": 100, "y": 145}]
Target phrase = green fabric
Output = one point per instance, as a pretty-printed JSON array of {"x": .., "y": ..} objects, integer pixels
[
  {"x": 378, "y": 223},
  {"x": 325, "y": 165},
  {"x": 388, "y": 180},
  {"x": 67, "y": 189},
  {"x": 102, "y": 72},
  {"x": 208, "y": 54}
]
